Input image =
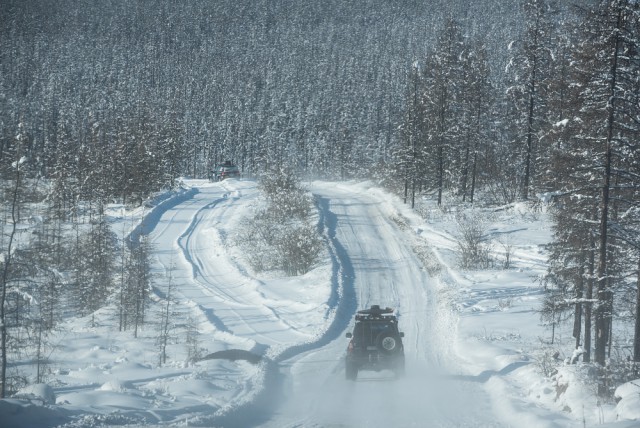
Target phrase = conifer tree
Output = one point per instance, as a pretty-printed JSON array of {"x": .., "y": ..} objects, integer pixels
[
  {"x": 410, "y": 153},
  {"x": 96, "y": 258},
  {"x": 531, "y": 66},
  {"x": 477, "y": 110},
  {"x": 590, "y": 152},
  {"x": 12, "y": 167},
  {"x": 443, "y": 77}
]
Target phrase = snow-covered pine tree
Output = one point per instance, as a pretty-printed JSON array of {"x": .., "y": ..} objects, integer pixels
[
  {"x": 606, "y": 54},
  {"x": 478, "y": 109},
  {"x": 443, "y": 76},
  {"x": 166, "y": 316},
  {"x": 593, "y": 192},
  {"x": 96, "y": 258},
  {"x": 409, "y": 156},
  {"x": 138, "y": 279},
  {"x": 531, "y": 65},
  {"x": 12, "y": 171}
]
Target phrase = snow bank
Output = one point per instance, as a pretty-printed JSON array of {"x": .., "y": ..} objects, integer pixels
[
  {"x": 628, "y": 407},
  {"x": 37, "y": 392},
  {"x": 26, "y": 414}
]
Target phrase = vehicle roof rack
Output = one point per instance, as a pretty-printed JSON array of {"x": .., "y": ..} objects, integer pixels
[{"x": 375, "y": 311}]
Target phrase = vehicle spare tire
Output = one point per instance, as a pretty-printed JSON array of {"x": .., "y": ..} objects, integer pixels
[{"x": 388, "y": 342}]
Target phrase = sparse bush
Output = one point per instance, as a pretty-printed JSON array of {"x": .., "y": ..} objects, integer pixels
[
  {"x": 504, "y": 304},
  {"x": 616, "y": 373},
  {"x": 502, "y": 187},
  {"x": 192, "y": 340},
  {"x": 474, "y": 251},
  {"x": 429, "y": 260},
  {"x": 280, "y": 235},
  {"x": 508, "y": 251},
  {"x": 299, "y": 247},
  {"x": 548, "y": 361}
]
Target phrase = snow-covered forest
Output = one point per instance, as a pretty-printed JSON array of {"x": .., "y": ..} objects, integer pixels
[
  {"x": 142, "y": 92},
  {"x": 486, "y": 102}
]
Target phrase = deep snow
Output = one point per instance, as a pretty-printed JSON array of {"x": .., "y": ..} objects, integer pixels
[{"x": 473, "y": 339}]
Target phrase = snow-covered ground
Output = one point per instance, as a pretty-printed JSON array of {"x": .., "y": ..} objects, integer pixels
[{"x": 474, "y": 344}]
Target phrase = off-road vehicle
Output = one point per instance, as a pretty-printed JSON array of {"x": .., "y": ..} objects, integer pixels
[
  {"x": 225, "y": 170},
  {"x": 376, "y": 343}
]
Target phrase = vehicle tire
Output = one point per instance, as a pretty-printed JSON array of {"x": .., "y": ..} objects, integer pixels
[
  {"x": 388, "y": 342},
  {"x": 351, "y": 371}
]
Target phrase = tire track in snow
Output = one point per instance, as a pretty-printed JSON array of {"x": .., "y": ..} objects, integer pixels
[
  {"x": 384, "y": 270},
  {"x": 207, "y": 287},
  {"x": 343, "y": 302},
  {"x": 342, "y": 307},
  {"x": 185, "y": 238},
  {"x": 152, "y": 218},
  {"x": 257, "y": 406},
  {"x": 151, "y": 222},
  {"x": 188, "y": 244}
]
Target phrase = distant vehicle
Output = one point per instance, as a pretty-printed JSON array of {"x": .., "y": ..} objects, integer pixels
[
  {"x": 226, "y": 170},
  {"x": 376, "y": 343}
]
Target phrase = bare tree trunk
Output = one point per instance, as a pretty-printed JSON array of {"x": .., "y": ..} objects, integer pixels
[
  {"x": 165, "y": 318},
  {"x": 473, "y": 175},
  {"x": 465, "y": 171},
  {"x": 5, "y": 279},
  {"x": 577, "y": 320},
  {"x": 532, "y": 98},
  {"x": 636, "y": 335},
  {"x": 603, "y": 311},
  {"x": 588, "y": 310},
  {"x": 441, "y": 141},
  {"x": 440, "y": 173}
]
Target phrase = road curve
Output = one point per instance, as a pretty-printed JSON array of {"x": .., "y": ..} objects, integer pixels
[
  {"x": 372, "y": 244},
  {"x": 371, "y": 262}
]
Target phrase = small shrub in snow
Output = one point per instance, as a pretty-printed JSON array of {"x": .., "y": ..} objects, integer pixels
[
  {"x": 37, "y": 392},
  {"x": 474, "y": 250},
  {"x": 281, "y": 235},
  {"x": 508, "y": 251},
  {"x": 192, "y": 340},
  {"x": 429, "y": 260},
  {"x": 548, "y": 361},
  {"x": 504, "y": 304},
  {"x": 616, "y": 373},
  {"x": 401, "y": 221},
  {"x": 298, "y": 248}
]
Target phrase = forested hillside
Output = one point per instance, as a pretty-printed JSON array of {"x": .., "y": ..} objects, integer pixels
[
  {"x": 531, "y": 100},
  {"x": 143, "y": 91}
]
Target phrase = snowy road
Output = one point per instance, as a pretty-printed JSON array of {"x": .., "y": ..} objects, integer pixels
[
  {"x": 472, "y": 337},
  {"x": 379, "y": 267},
  {"x": 302, "y": 332},
  {"x": 190, "y": 248}
]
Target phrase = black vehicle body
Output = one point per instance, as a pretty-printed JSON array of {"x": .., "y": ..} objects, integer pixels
[
  {"x": 226, "y": 170},
  {"x": 376, "y": 343}
]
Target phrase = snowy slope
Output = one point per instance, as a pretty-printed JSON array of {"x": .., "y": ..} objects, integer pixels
[{"x": 472, "y": 338}]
